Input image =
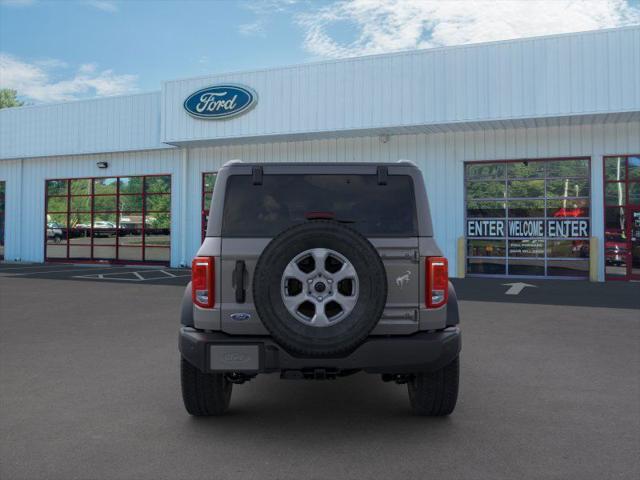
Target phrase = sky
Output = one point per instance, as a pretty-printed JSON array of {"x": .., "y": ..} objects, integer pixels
[{"x": 59, "y": 50}]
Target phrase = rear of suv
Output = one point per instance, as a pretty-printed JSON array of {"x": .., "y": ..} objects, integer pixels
[{"x": 318, "y": 271}]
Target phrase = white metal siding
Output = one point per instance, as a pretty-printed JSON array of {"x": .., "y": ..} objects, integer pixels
[
  {"x": 25, "y": 221},
  {"x": 90, "y": 126},
  {"x": 441, "y": 157},
  {"x": 547, "y": 77},
  {"x": 11, "y": 174}
]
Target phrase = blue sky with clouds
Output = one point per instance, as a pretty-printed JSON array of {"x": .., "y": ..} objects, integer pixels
[{"x": 62, "y": 50}]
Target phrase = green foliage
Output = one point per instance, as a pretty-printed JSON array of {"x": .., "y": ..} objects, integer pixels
[{"x": 8, "y": 98}]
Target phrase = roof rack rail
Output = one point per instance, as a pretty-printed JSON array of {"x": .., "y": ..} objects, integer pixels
[
  {"x": 409, "y": 162},
  {"x": 232, "y": 162}
]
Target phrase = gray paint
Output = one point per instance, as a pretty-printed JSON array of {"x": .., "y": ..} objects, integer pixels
[{"x": 403, "y": 258}]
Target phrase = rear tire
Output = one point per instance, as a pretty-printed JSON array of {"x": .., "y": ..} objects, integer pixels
[
  {"x": 204, "y": 394},
  {"x": 435, "y": 394}
]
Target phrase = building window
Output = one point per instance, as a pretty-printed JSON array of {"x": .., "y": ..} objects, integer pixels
[
  {"x": 118, "y": 219},
  {"x": 528, "y": 218},
  {"x": 622, "y": 217},
  {"x": 208, "y": 181},
  {"x": 2, "y": 210}
]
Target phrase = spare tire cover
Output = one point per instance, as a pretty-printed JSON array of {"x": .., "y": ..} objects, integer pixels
[{"x": 319, "y": 288}]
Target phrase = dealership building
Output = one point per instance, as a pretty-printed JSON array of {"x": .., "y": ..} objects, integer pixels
[{"x": 530, "y": 151}]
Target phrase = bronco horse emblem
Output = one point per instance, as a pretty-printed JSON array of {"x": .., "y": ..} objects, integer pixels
[{"x": 402, "y": 280}]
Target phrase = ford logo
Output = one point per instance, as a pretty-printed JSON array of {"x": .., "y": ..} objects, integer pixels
[
  {"x": 220, "y": 101},
  {"x": 236, "y": 358},
  {"x": 240, "y": 316}
]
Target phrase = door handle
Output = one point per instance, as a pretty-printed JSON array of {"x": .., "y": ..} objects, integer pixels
[{"x": 239, "y": 275}]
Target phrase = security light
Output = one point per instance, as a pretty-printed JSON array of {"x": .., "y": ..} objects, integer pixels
[{"x": 102, "y": 164}]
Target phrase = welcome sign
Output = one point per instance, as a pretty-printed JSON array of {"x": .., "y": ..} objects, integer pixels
[
  {"x": 219, "y": 102},
  {"x": 528, "y": 228}
]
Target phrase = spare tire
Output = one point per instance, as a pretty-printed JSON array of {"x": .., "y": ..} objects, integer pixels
[{"x": 319, "y": 288}]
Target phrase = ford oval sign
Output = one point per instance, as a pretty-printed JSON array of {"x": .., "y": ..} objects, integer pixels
[{"x": 220, "y": 101}]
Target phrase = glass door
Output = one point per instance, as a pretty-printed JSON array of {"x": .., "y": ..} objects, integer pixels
[
  {"x": 634, "y": 243},
  {"x": 622, "y": 217}
]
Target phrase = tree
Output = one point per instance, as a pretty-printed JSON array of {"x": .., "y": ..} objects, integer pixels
[{"x": 8, "y": 98}]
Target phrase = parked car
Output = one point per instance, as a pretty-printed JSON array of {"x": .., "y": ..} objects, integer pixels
[
  {"x": 615, "y": 250},
  {"x": 54, "y": 232},
  {"x": 103, "y": 228},
  {"x": 316, "y": 271}
]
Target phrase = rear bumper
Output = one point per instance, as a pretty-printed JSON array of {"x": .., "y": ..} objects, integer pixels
[{"x": 219, "y": 352}]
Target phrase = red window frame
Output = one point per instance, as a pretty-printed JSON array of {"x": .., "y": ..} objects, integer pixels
[
  {"x": 204, "y": 208},
  {"x": 117, "y": 212},
  {"x": 3, "y": 188},
  {"x": 628, "y": 208}
]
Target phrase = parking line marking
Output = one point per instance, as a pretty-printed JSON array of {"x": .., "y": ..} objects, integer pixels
[
  {"x": 119, "y": 276},
  {"x": 14, "y": 274}
]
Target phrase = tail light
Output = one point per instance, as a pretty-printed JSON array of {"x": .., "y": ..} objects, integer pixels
[
  {"x": 202, "y": 282},
  {"x": 437, "y": 291}
]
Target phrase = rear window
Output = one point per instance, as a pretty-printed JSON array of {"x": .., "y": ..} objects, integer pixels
[{"x": 286, "y": 200}]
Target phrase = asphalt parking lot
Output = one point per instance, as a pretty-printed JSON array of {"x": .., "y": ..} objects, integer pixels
[{"x": 90, "y": 390}]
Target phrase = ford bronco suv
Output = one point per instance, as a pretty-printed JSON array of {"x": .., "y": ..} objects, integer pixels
[{"x": 318, "y": 271}]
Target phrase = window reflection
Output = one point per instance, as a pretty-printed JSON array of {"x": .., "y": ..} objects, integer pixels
[
  {"x": 208, "y": 183},
  {"x": 130, "y": 238},
  {"x": 485, "y": 171},
  {"x": 568, "y": 208},
  {"x": 526, "y": 267},
  {"x": 108, "y": 219},
  {"x": 568, "y": 268},
  {"x": 568, "y": 188},
  {"x": 131, "y": 185},
  {"x": 614, "y": 193},
  {"x": 526, "y": 188},
  {"x": 130, "y": 203},
  {"x": 633, "y": 168},
  {"x": 634, "y": 193},
  {"x": 81, "y": 187},
  {"x": 526, "y": 169},
  {"x": 158, "y": 203},
  {"x": 486, "y": 248},
  {"x": 105, "y": 185},
  {"x": 525, "y": 197},
  {"x": 614, "y": 220},
  {"x": 615, "y": 168},
  {"x": 489, "y": 266},
  {"x": 568, "y": 248},
  {"x": 159, "y": 184},
  {"x": 80, "y": 204},
  {"x": 490, "y": 189},
  {"x": 56, "y": 187},
  {"x": 526, "y": 208},
  {"x": 57, "y": 204},
  {"x": 485, "y": 209},
  {"x": 157, "y": 254},
  {"x": 568, "y": 168}
]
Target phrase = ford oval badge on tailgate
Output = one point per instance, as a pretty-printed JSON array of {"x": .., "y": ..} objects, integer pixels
[{"x": 240, "y": 316}]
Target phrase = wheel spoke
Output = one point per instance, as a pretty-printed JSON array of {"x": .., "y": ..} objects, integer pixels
[
  {"x": 293, "y": 302},
  {"x": 319, "y": 256},
  {"x": 293, "y": 271},
  {"x": 347, "y": 271},
  {"x": 320, "y": 319},
  {"x": 346, "y": 302}
]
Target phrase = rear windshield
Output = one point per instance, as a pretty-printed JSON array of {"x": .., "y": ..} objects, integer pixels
[{"x": 286, "y": 200}]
